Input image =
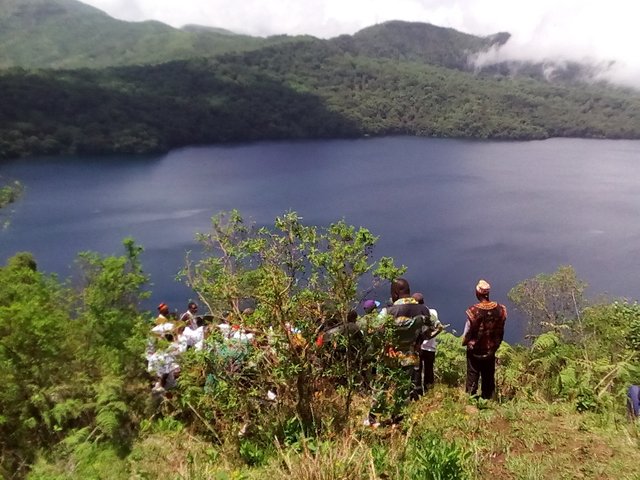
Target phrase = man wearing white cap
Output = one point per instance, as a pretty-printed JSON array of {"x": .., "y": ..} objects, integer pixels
[{"x": 482, "y": 336}]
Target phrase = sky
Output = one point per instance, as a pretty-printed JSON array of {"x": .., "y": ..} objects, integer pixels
[{"x": 597, "y": 31}]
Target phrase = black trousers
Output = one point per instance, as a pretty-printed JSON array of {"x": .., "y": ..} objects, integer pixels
[
  {"x": 483, "y": 368},
  {"x": 426, "y": 378}
]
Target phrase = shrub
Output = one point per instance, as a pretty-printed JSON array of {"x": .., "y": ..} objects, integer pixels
[
  {"x": 430, "y": 457},
  {"x": 71, "y": 364},
  {"x": 301, "y": 280},
  {"x": 451, "y": 360}
]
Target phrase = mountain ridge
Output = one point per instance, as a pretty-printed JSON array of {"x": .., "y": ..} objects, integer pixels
[
  {"x": 392, "y": 78},
  {"x": 424, "y": 42},
  {"x": 70, "y": 34}
]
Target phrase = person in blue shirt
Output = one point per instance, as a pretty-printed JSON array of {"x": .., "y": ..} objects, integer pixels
[{"x": 633, "y": 401}]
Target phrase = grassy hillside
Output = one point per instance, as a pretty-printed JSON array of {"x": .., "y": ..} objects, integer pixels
[
  {"x": 77, "y": 400},
  {"x": 447, "y": 438},
  {"x": 68, "y": 33}
]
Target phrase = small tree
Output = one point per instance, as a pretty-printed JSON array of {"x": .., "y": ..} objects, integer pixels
[
  {"x": 550, "y": 301},
  {"x": 300, "y": 278}
]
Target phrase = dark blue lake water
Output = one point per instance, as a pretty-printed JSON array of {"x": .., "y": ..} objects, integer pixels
[{"x": 453, "y": 211}]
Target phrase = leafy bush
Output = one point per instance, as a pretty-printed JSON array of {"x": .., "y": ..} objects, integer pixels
[
  {"x": 71, "y": 363},
  {"x": 431, "y": 457},
  {"x": 301, "y": 280},
  {"x": 451, "y": 360},
  {"x": 550, "y": 301}
]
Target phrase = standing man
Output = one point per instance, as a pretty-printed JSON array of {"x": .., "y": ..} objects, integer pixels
[
  {"x": 397, "y": 374},
  {"x": 428, "y": 346},
  {"x": 482, "y": 336}
]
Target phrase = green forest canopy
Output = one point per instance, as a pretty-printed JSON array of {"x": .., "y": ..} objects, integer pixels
[
  {"x": 392, "y": 78},
  {"x": 299, "y": 90}
]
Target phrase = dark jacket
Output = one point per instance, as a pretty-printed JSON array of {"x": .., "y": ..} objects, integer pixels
[{"x": 486, "y": 328}]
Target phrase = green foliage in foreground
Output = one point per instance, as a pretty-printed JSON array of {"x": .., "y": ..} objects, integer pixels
[
  {"x": 73, "y": 403},
  {"x": 583, "y": 353},
  {"x": 70, "y": 361},
  {"x": 444, "y": 438}
]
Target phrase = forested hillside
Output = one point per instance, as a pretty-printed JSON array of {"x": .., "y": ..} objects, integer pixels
[
  {"x": 392, "y": 78},
  {"x": 418, "y": 42},
  {"x": 308, "y": 89},
  {"x": 70, "y": 34}
]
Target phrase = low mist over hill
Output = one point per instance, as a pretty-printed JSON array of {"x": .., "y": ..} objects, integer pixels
[
  {"x": 419, "y": 42},
  {"x": 200, "y": 85}
]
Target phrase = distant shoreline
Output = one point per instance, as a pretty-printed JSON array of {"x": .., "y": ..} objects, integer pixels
[{"x": 143, "y": 153}]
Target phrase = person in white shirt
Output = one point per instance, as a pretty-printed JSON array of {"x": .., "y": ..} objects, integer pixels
[
  {"x": 163, "y": 362},
  {"x": 427, "y": 351},
  {"x": 190, "y": 316},
  {"x": 192, "y": 338}
]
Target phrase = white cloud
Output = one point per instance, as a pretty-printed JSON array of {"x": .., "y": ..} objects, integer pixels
[{"x": 541, "y": 29}]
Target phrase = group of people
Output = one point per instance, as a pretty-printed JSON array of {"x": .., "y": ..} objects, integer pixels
[
  {"x": 407, "y": 329},
  {"x": 170, "y": 337},
  {"x": 411, "y": 357},
  {"x": 173, "y": 334}
]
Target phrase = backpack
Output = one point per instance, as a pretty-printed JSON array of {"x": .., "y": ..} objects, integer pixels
[{"x": 409, "y": 332}]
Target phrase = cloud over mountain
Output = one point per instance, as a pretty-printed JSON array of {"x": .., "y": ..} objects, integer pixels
[{"x": 593, "y": 30}]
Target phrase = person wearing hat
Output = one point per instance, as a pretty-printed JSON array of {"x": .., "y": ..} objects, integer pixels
[
  {"x": 370, "y": 306},
  {"x": 483, "y": 334},
  {"x": 372, "y": 320},
  {"x": 163, "y": 314}
]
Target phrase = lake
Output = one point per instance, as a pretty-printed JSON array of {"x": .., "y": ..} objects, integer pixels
[{"x": 453, "y": 211}]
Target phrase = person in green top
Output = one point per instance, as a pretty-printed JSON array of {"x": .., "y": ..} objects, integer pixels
[{"x": 397, "y": 369}]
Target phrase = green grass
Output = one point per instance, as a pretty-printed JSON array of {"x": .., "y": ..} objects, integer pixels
[{"x": 444, "y": 436}]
